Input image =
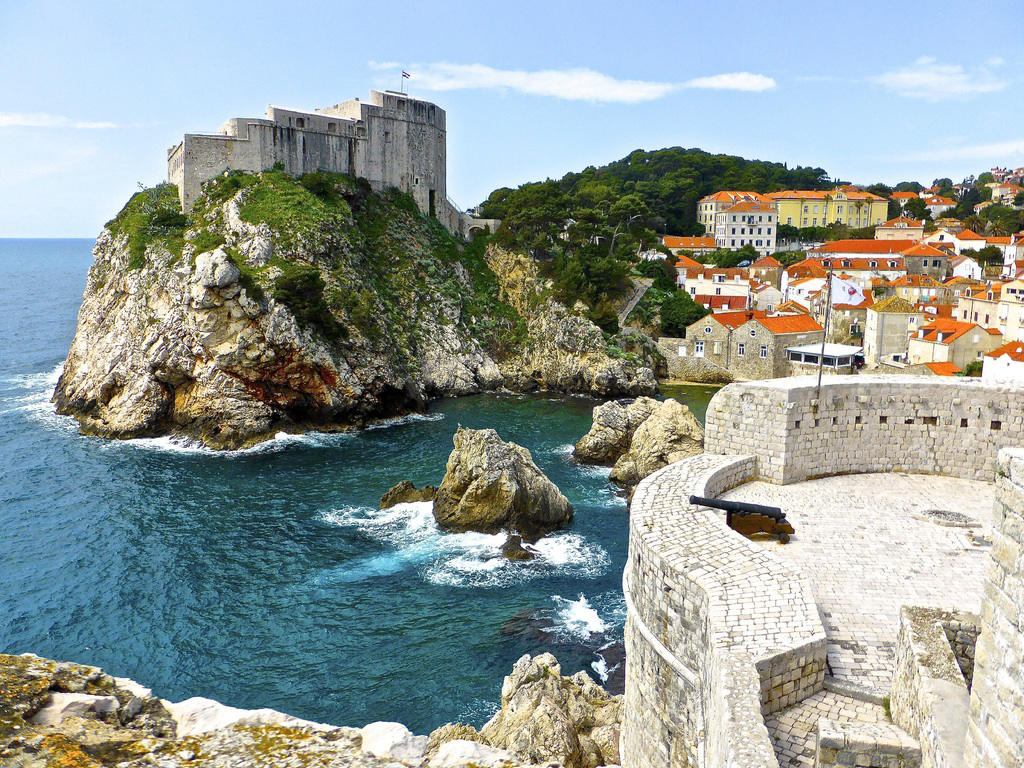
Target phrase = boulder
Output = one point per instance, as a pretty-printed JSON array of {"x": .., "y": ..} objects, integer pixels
[
  {"x": 406, "y": 492},
  {"x": 393, "y": 741},
  {"x": 199, "y": 715},
  {"x": 513, "y": 549},
  {"x": 670, "y": 433},
  {"x": 490, "y": 485},
  {"x": 612, "y": 430},
  {"x": 62, "y": 705},
  {"x": 462, "y": 753},
  {"x": 451, "y": 732},
  {"x": 547, "y": 717}
]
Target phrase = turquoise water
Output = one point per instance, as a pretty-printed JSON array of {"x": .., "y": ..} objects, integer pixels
[{"x": 268, "y": 577}]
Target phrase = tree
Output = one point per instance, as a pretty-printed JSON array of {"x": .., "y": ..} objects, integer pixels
[
  {"x": 787, "y": 232},
  {"x": 988, "y": 256},
  {"x": 789, "y": 258},
  {"x": 893, "y": 210},
  {"x": 678, "y": 312},
  {"x": 973, "y": 368},
  {"x": 916, "y": 209}
]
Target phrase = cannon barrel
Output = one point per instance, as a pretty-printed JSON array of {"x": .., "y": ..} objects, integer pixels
[{"x": 739, "y": 507}]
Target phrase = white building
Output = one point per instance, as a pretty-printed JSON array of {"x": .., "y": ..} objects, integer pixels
[
  {"x": 710, "y": 206},
  {"x": 1004, "y": 365},
  {"x": 747, "y": 223}
]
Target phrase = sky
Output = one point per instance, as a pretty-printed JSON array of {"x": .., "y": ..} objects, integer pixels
[{"x": 93, "y": 93}]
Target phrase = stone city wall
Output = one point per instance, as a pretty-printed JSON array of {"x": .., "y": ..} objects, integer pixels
[
  {"x": 863, "y": 745},
  {"x": 719, "y": 632},
  {"x": 929, "y": 694},
  {"x": 995, "y": 731},
  {"x": 866, "y": 424}
]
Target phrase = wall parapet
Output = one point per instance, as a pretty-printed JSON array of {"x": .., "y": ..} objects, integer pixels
[
  {"x": 719, "y": 632},
  {"x": 866, "y": 424}
]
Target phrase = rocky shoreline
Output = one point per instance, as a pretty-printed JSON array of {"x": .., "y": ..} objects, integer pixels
[
  {"x": 77, "y": 716},
  {"x": 268, "y": 308}
]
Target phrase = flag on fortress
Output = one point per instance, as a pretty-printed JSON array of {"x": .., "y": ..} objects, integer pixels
[{"x": 405, "y": 74}]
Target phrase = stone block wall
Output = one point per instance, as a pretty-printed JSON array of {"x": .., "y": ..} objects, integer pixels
[
  {"x": 718, "y": 631},
  {"x": 866, "y": 424},
  {"x": 962, "y": 630},
  {"x": 995, "y": 731},
  {"x": 929, "y": 694},
  {"x": 863, "y": 745}
]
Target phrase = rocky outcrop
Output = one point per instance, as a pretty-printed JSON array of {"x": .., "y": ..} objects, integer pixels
[
  {"x": 490, "y": 485},
  {"x": 405, "y": 492},
  {"x": 513, "y": 549},
  {"x": 565, "y": 352},
  {"x": 544, "y": 716},
  {"x": 274, "y": 309},
  {"x": 669, "y": 434},
  {"x": 640, "y": 437},
  {"x": 57, "y": 713},
  {"x": 612, "y": 430}
]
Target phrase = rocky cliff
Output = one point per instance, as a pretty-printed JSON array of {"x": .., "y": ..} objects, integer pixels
[{"x": 292, "y": 304}]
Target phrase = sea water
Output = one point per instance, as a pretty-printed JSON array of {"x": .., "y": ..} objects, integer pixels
[{"x": 269, "y": 577}]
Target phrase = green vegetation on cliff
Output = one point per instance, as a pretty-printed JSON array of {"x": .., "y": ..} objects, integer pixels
[{"x": 349, "y": 263}]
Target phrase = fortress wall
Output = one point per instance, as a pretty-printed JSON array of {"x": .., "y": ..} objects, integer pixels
[
  {"x": 995, "y": 730},
  {"x": 718, "y": 632},
  {"x": 866, "y": 424}
]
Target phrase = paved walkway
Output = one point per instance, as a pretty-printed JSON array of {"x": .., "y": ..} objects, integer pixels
[
  {"x": 870, "y": 544},
  {"x": 792, "y": 730}
]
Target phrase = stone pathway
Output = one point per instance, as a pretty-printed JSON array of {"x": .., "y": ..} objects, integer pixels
[
  {"x": 792, "y": 730},
  {"x": 869, "y": 547}
]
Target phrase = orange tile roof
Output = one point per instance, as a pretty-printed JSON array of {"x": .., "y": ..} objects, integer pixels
[
  {"x": 923, "y": 249},
  {"x": 732, "y": 195},
  {"x": 903, "y": 196},
  {"x": 791, "y": 306},
  {"x": 805, "y": 268},
  {"x": 752, "y": 205},
  {"x": 998, "y": 240},
  {"x": 969, "y": 234},
  {"x": 766, "y": 262},
  {"x": 709, "y": 272},
  {"x": 943, "y": 369},
  {"x": 903, "y": 221},
  {"x": 915, "y": 281},
  {"x": 864, "y": 303},
  {"x": 720, "y": 302},
  {"x": 851, "y": 193},
  {"x": 686, "y": 262},
  {"x": 1015, "y": 349},
  {"x": 674, "y": 241},
  {"x": 866, "y": 246},
  {"x": 734, "y": 319},
  {"x": 789, "y": 323},
  {"x": 945, "y": 331},
  {"x": 938, "y": 200}
]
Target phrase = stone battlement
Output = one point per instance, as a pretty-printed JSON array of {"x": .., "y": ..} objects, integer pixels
[
  {"x": 392, "y": 140},
  {"x": 721, "y": 633}
]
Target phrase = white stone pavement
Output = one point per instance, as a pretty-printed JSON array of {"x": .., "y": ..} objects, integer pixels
[{"x": 870, "y": 545}]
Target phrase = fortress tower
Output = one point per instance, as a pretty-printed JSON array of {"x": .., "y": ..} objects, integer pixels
[{"x": 393, "y": 140}]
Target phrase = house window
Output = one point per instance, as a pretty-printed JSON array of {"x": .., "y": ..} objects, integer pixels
[
  {"x": 764, "y": 351},
  {"x": 707, "y": 329},
  {"x": 300, "y": 122},
  {"x": 716, "y": 347},
  {"x": 698, "y": 349},
  {"x": 741, "y": 349},
  {"x": 753, "y": 333},
  {"x": 332, "y": 127}
]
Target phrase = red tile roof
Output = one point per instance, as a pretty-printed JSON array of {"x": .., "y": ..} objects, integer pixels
[
  {"x": 915, "y": 281},
  {"x": 1015, "y": 349},
  {"x": 923, "y": 249},
  {"x": 943, "y": 369},
  {"x": 766, "y": 262},
  {"x": 752, "y": 205},
  {"x": 792, "y": 306},
  {"x": 903, "y": 221},
  {"x": 721, "y": 302},
  {"x": 687, "y": 243},
  {"x": 732, "y": 195},
  {"x": 866, "y": 246},
  {"x": 789, "y": 323},
  {"x": 969, "y": 234},
  {"x": 946, "y": 331},
  {"x": 686, "y": 262},
  {"x": 734, "y": 319},
  {"x": 903, "y": 196},
  {"x": 939, "y": 200}
]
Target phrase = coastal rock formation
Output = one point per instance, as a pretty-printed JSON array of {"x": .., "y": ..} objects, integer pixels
[
  {"x": 405, "y": 492},
  {"x": 565, "y": 352},
  {"x": 58, "y": 713},
  {"x": 544, "y": 716},
  {"x": 513, "y": 548},
  {"x": 280, "y": 304},
  {"x": 490, "y": 485},
  {"x": 640, "y": 437},
  {"x": 669, "y": 434},
  {"x": 612, "y": 430}
]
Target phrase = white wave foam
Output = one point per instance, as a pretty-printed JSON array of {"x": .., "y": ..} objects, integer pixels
[
  {"x": 576, "y": 619},
  {"x": 565, "y": 450},
  {"x": 600, "y": 667},
  {"x": 454, "y": 559},
  {"x": 36, "y": 403},
  {"x": 410, "y": 418}
]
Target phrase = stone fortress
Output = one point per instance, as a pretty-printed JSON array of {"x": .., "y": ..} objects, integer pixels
[
  {"x": 888, "y": 633},
  {"x": 392, "y": 140}
]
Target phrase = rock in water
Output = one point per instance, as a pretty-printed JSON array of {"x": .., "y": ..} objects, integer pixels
[
  {"x": 490, "y": 485},
  {"x": 547, "y": 717},
  {"x": 513, "y": 549},
  {"x": 405, "y": 492},
  {"x": 670, "y": 433},
  {"x": 613, "y": 428}
]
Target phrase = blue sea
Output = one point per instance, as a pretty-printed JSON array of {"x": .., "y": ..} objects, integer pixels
[{"x": 268, "y": 577}]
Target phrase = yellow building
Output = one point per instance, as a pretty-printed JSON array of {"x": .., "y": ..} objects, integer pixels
[{"x": 818, "y": 208}]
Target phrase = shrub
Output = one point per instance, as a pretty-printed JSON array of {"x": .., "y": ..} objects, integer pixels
[
  {"x": 678, "y": 312},
  {"x": 300, "y": 288}
]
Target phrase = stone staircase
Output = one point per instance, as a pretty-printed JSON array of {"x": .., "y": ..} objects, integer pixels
[{"x": 640, "y": 286}]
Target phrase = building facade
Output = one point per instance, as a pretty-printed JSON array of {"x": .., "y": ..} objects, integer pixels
[
  {"x": 845, "y": 205},
  {"x": 887, "y": 328},
  {"x": 949, "y": 341}
]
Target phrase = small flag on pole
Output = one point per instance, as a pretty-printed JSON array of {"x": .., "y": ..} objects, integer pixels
[{"x": 405, "y": 74}]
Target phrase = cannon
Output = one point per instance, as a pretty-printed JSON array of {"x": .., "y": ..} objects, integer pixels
[{"x": 748, "y": 519}]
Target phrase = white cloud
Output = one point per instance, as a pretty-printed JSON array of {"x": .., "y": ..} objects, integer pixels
[
  {"x": 574, "y": 84},
  {"x": 732, "y": 81},
  {"x": 927, "y": 79},
  {"x": 44, "y": 120}
]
